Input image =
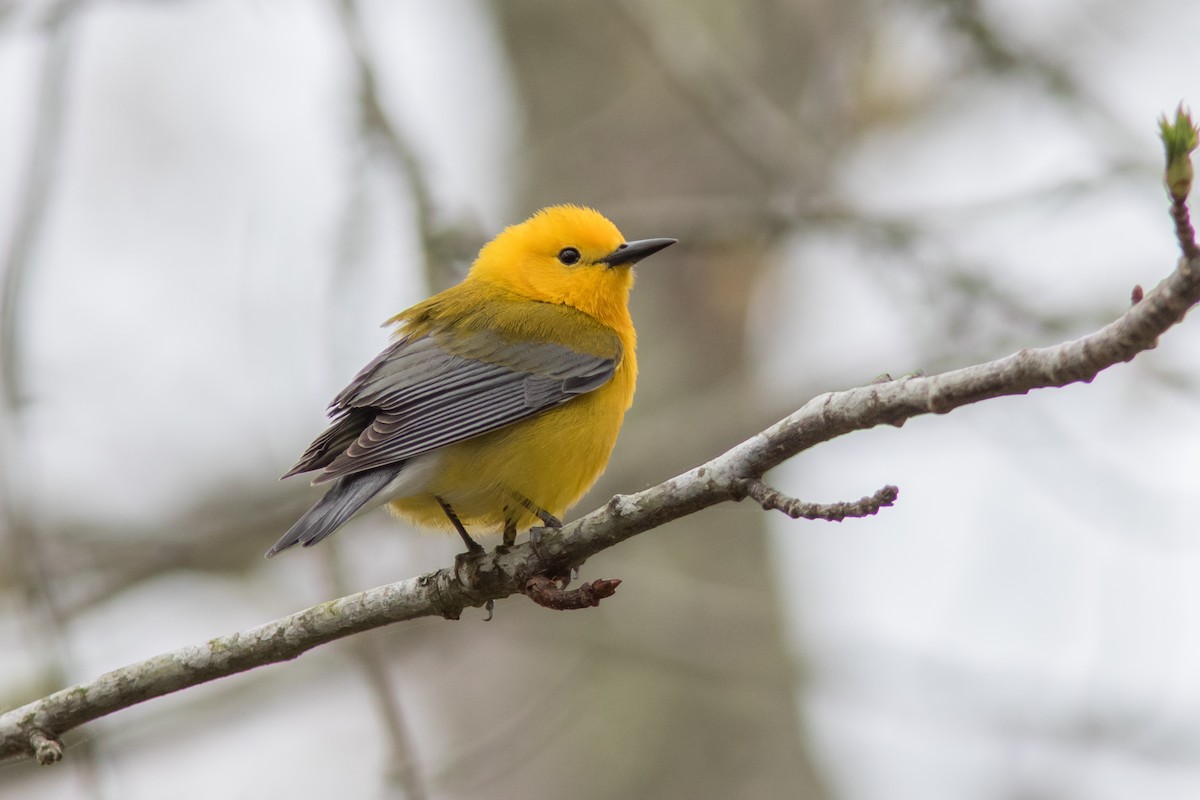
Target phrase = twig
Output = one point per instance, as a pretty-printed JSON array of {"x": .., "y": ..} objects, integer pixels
[
  {"x": 46, "y": 749},
  {"x": 1184, "y": 233},
  {"x": 774, "y": 500},
  {"x": 494, "y": 576}
]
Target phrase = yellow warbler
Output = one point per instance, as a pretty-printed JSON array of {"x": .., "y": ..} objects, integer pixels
[{"x": 499, "y": 402}]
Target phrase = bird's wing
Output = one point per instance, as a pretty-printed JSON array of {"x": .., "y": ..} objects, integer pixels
[{"x": 433, "y": 390}]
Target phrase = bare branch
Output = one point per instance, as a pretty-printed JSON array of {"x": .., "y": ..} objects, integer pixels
[{"x": 34, "y": 729}]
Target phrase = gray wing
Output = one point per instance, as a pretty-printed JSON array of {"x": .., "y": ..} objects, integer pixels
[{"x": 418, "y": 395}]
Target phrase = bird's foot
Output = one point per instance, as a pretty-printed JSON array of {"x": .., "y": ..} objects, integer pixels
[{"x": 465, "y": 567}]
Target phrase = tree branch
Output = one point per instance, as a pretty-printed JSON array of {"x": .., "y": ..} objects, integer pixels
[{"x": 35, "y": 729}]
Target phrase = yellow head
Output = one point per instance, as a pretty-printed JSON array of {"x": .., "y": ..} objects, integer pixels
[{"x": 568, "y": 255}]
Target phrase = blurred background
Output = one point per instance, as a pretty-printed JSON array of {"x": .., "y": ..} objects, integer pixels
[{"x": 207, "y": 207}]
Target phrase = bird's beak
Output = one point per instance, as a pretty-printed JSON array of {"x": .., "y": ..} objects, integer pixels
[{"x": 633, "y": 252}]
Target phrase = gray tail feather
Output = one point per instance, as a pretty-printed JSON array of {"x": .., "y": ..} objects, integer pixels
[{"x": 344, "y": 499}]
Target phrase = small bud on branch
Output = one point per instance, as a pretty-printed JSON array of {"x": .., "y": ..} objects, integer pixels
[{"x": 1179, "y": 140}]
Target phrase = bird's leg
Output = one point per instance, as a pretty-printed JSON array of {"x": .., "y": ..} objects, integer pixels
[
  {"x": 474, "y": 549},
  {"x": 548, "y": 521},
  {"x": 510, "y": 530},
  {"x": 472, "y": 545}
]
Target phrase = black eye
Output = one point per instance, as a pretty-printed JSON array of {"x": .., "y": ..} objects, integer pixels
[{"x": 568, "y": 256}]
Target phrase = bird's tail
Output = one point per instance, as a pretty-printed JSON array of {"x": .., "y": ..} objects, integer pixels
[{"x": 344, "y": 499}]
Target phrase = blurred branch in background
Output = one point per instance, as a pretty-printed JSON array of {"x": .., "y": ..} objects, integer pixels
[
  {"x": 379, "y": 136},
  {"x": 999, "y": 53},
  {"x": 444, "y": 247},
  {"x": 731, "y": 105},
  {"x": 45, "y": 144},
  {"x": 379, "y": 139},
  {"x": 27, "y": 572},
  {"x": 693, "y": 122},
  {"x": 403, "y": 766}
]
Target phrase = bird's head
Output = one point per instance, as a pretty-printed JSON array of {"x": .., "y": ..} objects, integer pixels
[{"x": 568, "y": 255}]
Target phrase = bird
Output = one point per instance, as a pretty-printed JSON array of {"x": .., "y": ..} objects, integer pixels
[{"x": 498, "y": 401}]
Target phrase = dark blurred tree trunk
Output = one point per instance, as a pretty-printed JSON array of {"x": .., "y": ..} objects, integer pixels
[{"x": 615, "y": 118}]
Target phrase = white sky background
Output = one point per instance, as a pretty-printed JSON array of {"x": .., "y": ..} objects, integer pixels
[{"x": 1021, "y": 622}]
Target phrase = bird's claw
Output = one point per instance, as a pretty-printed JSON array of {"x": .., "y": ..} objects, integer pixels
[{"x": 535, "y": 536}]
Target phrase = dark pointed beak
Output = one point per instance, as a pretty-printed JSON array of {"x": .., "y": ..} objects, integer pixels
[{"x": 633, "y": 252}]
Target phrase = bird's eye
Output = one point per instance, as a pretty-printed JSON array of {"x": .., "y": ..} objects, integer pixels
[{"x": 568, "y": 256}]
